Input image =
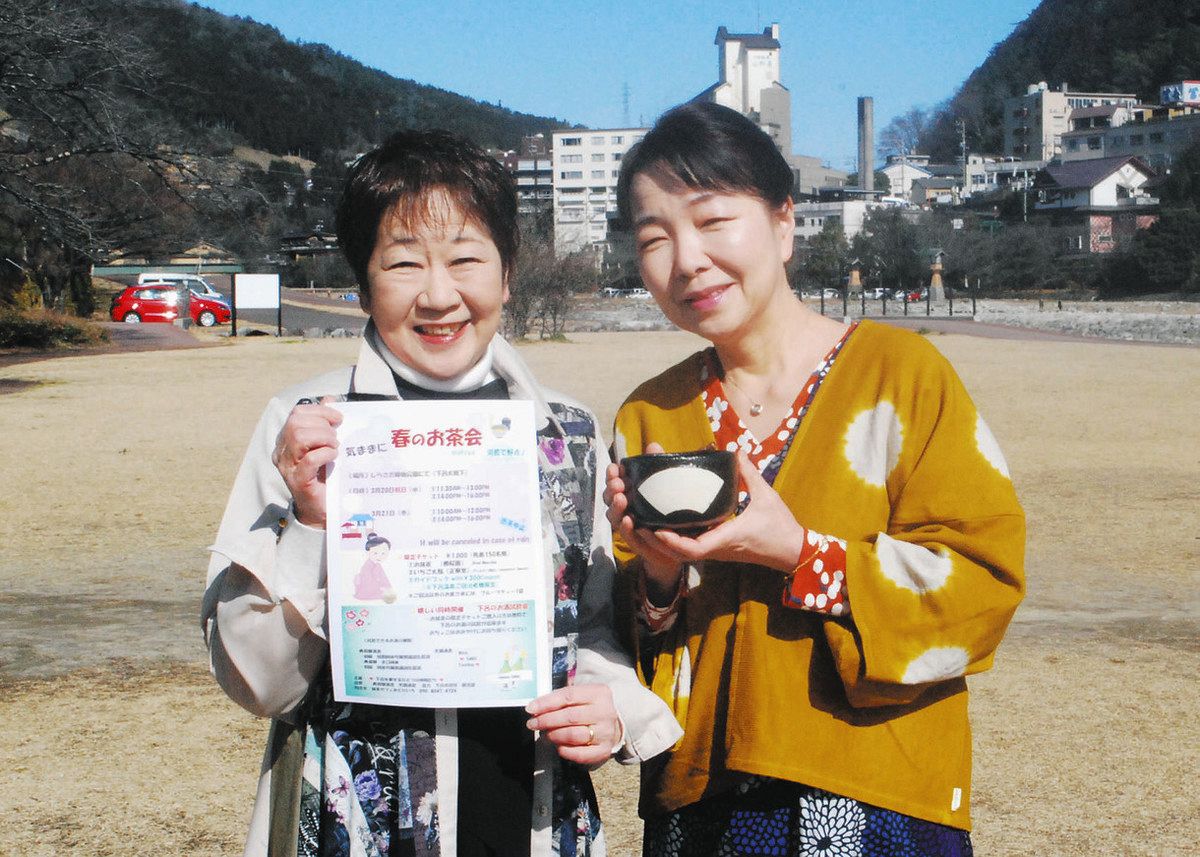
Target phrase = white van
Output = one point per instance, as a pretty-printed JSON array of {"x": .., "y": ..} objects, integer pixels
[{"x": 194, "y": 282}]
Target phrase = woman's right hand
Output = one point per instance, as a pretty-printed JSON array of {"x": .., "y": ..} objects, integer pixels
[
  {"x": 662, "y": 565},
  {"x": 306, "y": 443}
]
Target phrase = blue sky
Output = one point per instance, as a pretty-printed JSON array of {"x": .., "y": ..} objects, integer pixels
[{"x": 572, "y": 60}]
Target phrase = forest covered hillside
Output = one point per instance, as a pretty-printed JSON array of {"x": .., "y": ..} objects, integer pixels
[
  {"x": 1092, "y": 45},
  {"x": 236, "y": 78}
]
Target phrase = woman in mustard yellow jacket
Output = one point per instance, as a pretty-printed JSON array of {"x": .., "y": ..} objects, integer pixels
[{"x": 815, "y": 646}]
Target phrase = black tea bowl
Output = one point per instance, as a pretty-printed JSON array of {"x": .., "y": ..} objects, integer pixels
[{"x": 685, "y": 491}]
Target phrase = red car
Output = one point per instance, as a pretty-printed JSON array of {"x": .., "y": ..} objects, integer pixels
[{"x": 161, "y": 303}]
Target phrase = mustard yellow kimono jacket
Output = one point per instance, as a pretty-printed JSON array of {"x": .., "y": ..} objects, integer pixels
[{"x": 893, "y": 457}]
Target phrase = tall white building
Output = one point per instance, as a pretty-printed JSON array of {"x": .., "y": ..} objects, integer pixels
[
  {"x": 748, "y": 81},
  {"x": 586, "y": 165}
]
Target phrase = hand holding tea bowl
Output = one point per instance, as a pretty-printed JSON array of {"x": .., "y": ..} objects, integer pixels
[
  {"x": 688, "y": 492},
  {"x": 764, "y": 533}
]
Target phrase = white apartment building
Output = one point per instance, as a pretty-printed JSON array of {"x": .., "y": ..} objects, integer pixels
[
  {"x": 1035, "y": 122},
  {"x": 586, "y": 164},
  {"x": 848, "y": 214}
]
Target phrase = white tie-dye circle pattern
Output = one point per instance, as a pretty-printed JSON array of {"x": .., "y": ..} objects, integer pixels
[
  {"x": 988, "y": 447},
  {"x": 937, "y": 664},
  {"x": 910, "y": 566},
  {"x": 873, "y": 443}
]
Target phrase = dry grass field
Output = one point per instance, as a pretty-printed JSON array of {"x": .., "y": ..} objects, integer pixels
[{"x": 114, "y": 740}]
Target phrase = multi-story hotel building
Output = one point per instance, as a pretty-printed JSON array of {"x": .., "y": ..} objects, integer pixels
[
  {"x": 1035, "y": 122},
  {"x": 586, "y": 164}
]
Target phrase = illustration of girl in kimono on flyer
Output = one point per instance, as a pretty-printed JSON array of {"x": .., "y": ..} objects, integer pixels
[{"x": 371, "y": 583}]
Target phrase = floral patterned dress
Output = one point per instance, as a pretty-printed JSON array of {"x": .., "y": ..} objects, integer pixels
[{"x": 765, "y": 816}]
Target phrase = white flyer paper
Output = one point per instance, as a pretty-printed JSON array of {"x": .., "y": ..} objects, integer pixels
[{"x": 434, "y": 544}]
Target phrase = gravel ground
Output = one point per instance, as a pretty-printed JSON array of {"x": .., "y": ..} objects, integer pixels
[{"x": 1142, "y": 321}]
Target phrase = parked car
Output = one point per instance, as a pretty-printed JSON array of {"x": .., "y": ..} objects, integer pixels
[
  {"x": 831, "y": 293},
  {"x": 161, "y": 303},
  {"x": 876, "y": 293},
  {"x": 195, "y": 282}
]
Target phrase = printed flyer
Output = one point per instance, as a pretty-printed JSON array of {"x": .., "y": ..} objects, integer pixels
[{"x": 434, "y": 546}]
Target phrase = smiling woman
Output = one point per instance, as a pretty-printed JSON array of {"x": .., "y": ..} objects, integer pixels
[
  {"x": 436, "y": 288},
  {"x": 428, "y": 224},
  {"x": 815, "y": 645}
]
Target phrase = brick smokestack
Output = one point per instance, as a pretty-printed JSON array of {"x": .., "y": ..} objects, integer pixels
[{"x": 866, "y": 143}]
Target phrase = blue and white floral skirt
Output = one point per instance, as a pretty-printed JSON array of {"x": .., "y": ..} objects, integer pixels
[{"x": 781, "y": 819}]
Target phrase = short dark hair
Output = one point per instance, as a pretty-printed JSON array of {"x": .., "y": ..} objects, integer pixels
[
  {"x": 403, "y": 173},
  {"x": 709, "y": 146}
]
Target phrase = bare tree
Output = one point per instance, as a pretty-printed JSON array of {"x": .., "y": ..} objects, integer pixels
[
  {"x": 85, "y": 165},
  {"x": 543, "y": 289},
  {"x": 903, "y": 134}
]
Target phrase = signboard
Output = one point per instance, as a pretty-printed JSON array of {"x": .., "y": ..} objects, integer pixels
[
  {"x": 256, "y": 291},
  {"x": 1184, "y": 92}
]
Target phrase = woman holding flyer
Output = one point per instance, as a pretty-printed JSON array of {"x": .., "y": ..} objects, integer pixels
[{"x": 428, "y": 225}]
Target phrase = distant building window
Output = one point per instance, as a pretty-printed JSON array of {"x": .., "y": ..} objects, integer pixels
[
  {"x": 639, "y": 138},
  {"x": 616, "y": 174},
  {"x": 598, "y": 141},
  {"x": 1118, "y": 142},
  {"x": 597, "y": 157},
  {"x": 1156, "y": 137},
  {"x": 616, "y": 156},
  {"x": 571, "y": 174},
  {"x": 572, "y": 141},
  {"x": 617, "y": 140},
  {"x": 600, "y": 189},
  {"x": 572, "y": 159},
  {"x": 1094, "y": 143},
  {"x": 1136, "y": 139},
  {"x": 1072, "y": 145},
  {"x": 597, "y": 174}
]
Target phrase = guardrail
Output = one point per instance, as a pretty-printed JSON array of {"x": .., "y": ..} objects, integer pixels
[{"x": 845, "y": 305}]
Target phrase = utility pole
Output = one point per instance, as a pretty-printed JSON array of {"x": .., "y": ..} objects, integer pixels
[{"x": 961, "y": 126}]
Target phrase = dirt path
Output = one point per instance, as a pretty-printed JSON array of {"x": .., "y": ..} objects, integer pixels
[{"x": 111, "y": 732}]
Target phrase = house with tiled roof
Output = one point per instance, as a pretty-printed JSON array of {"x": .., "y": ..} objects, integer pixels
[{"x": 1102, "y": 201}]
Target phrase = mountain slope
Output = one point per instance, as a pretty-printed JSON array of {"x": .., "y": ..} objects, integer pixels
[
  {"x": 243, "y": 79},
  {"x": 1093, "y": 45}
]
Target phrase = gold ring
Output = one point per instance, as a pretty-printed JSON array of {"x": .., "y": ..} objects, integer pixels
[{"x": 591, "y": 736}]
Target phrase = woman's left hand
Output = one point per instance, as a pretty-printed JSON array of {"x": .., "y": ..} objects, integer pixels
[
  {"x": 580, "y": 720},
  {"x": 765, "y": 533}
]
